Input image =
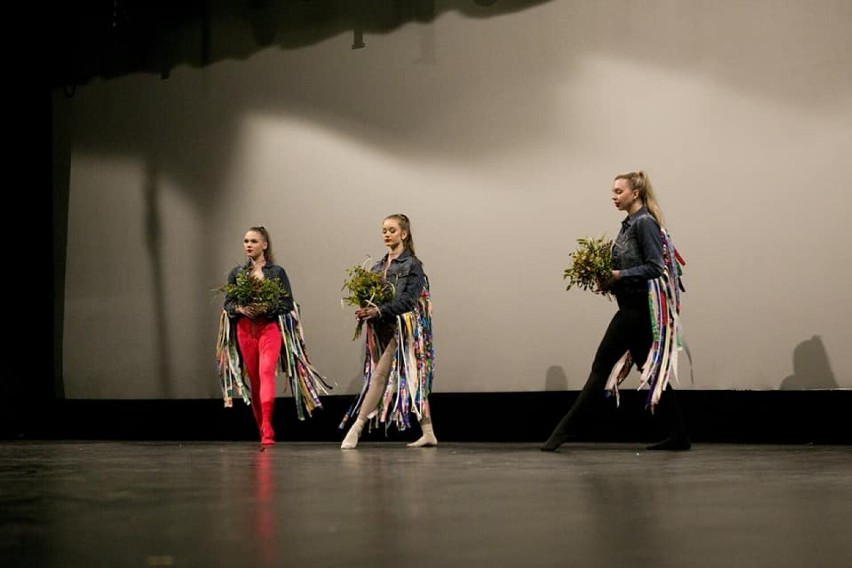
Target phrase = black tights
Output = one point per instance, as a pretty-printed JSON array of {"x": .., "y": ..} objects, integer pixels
[{"x": 629, "y": 330}]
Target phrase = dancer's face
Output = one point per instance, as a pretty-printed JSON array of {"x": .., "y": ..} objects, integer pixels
[
  {"x": 625, "y": 198},
  {"x": 392, "y": 234},
  {"x": 254, "y": 244}
]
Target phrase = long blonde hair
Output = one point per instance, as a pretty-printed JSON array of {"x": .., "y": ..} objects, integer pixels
[{"x": 641, "y": 182}]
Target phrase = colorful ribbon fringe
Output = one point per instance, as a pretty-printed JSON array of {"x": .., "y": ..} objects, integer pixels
[
  {"x": 306, "y": 382},
  {"x": 228, "y": 364},
  {"x": 412, "y": 368},
  {"x": 664, "y": 297}
]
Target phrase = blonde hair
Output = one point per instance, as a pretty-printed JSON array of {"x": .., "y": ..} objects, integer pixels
[{"x": 641, "y": 182}]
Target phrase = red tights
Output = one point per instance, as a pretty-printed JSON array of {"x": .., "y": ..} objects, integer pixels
[{"x": 260, "y": 346}]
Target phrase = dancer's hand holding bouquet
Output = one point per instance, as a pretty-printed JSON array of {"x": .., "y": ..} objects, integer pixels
[
  {"x": 255, "y": 296},
  {"x": 366, "y": 290},
  {"x": 591, "y": 266}
]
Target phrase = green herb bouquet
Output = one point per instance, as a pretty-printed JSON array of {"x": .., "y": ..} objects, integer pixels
[
  {"x": 365, "y": 289},
  {"x": 266, "y": 293},
  {"x": 591, "y": 265}
]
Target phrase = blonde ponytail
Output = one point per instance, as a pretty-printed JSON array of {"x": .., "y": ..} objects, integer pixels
[{"x": 641, "y": 182}]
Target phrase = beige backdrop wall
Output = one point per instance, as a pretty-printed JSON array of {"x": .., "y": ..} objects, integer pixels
[{"x": 499, "y": 137}]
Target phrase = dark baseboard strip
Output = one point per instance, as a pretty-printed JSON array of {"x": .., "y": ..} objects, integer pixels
[{"x": 772, "y": 417}]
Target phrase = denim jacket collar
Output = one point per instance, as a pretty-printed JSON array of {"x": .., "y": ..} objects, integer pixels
[
  {"x": 402, "y": 256},
  {"x": 629, "y": 219}
]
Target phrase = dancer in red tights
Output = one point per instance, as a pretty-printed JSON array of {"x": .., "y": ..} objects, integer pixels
[{"x": 258, "y": 334}]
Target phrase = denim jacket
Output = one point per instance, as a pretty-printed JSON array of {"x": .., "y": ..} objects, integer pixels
[
  {"x": 406, "y": 275},
  {"x": 269, "y": 271},
  {"x": 637, "y": 253}
]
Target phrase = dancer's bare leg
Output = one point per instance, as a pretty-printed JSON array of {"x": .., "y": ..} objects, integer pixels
[{"x": 378, "y": 383}]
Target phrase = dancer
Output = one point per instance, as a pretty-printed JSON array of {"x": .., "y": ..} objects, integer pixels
[
  {"x": 260, "y": 311},
  {"x": 399, "y": 357},
  {"x": 646, "y": 272}
]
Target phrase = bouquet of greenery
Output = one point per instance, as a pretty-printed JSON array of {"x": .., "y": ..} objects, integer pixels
[
  {"x": 591, "y": 265},
  {"x": 266, "y": 294},
  {"x": 365, "y": 289}
]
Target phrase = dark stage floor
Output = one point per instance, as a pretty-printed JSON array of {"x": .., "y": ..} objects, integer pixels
[{"x": 208, "y": 504}]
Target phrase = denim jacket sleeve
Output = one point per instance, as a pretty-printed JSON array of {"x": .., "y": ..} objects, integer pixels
[
  {"x": 407, "y": 278},
  {"x": 286, "y": 305},
  {"x": 648, "y": 247},
  {"x": 230, "y": 304}
]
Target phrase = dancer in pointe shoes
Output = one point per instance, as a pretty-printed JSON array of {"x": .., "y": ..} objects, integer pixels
[
  {"x": 399, "y": 356},
  {"x": 260, "y": 311},
  {"x": 645, "y": 330}
]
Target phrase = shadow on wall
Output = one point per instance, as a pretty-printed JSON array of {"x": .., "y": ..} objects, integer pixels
[
  {"x": 112, "y": 39},
  {"x": 556, "y": 379},
  {"x": 154, "y": 246},
  {"x": 811, "y": 368}
]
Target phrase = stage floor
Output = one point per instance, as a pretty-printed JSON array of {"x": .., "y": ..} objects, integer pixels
[{"x": 209, "y": 504}]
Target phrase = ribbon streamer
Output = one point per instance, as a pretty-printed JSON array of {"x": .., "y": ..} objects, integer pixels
[{"x": 306, "y": 383}]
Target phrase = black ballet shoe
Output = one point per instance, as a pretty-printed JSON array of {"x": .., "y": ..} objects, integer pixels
[
  {"x": 552, "y": 444},
  {"x": 672, "y": 444}
]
